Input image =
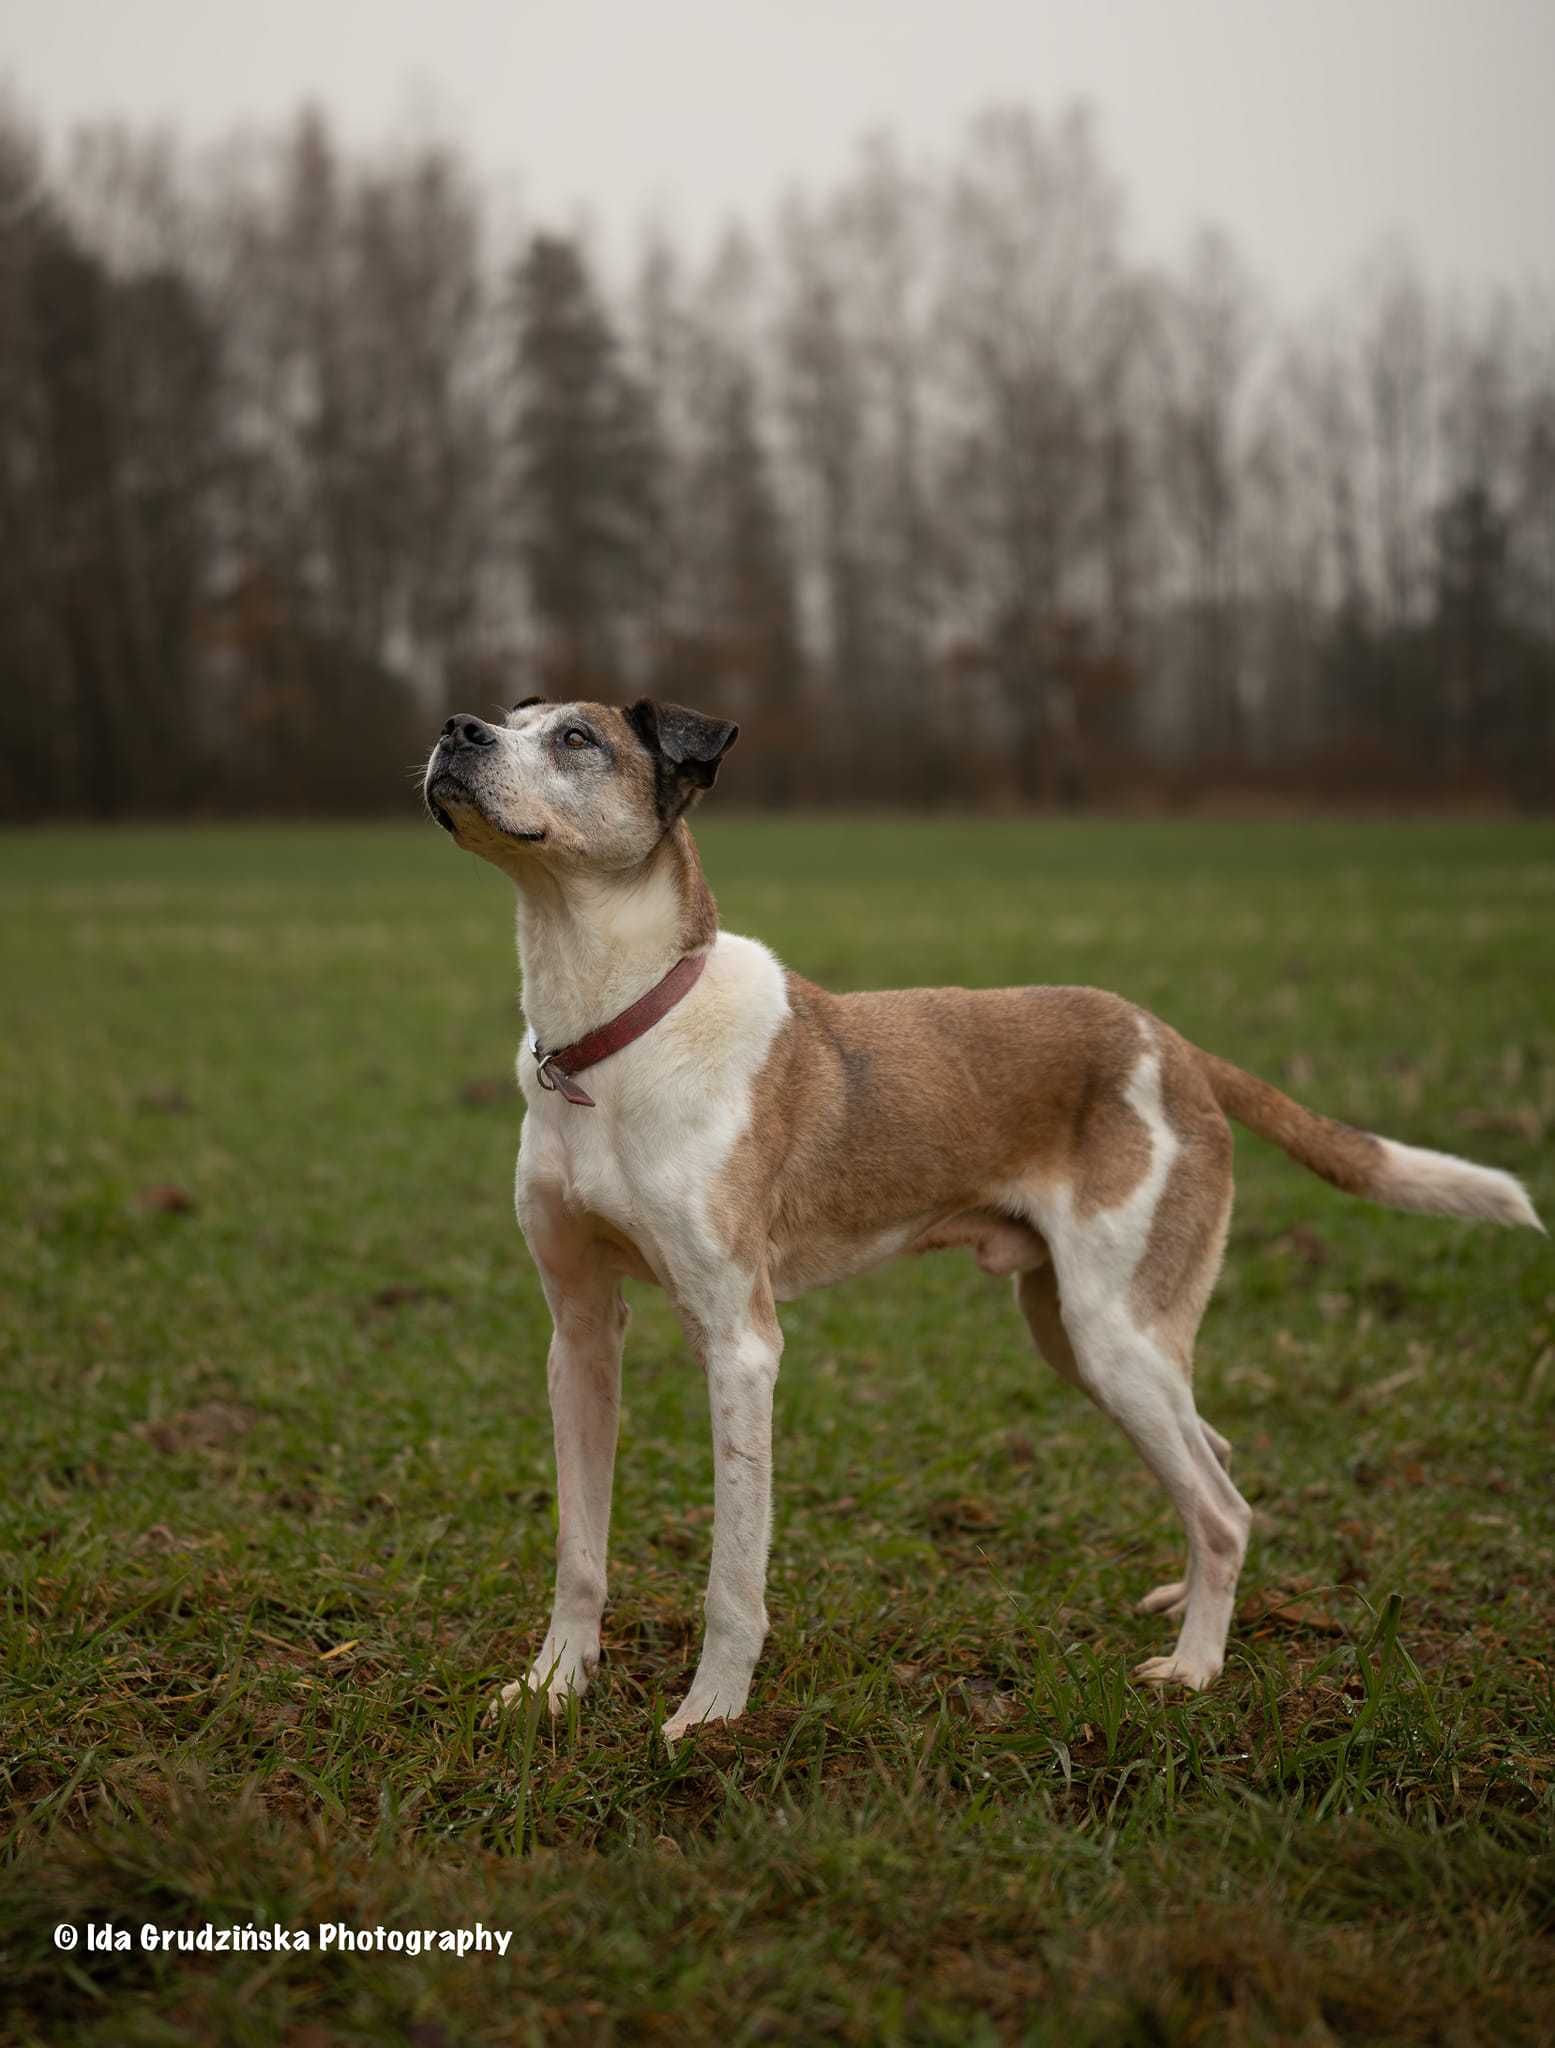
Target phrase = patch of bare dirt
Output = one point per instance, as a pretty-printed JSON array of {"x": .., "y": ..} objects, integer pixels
[
  {"x": 1270, "y": 1610},
  {"x": 208, "y": 1427},
  {"x": 961, "y": 1515},
  {"x": 164, "y": 1102}
]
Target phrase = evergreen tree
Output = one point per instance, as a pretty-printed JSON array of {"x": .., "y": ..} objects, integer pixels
[
  {"x": 585, "y": 472},
  {"x": 750, "y": 636}
]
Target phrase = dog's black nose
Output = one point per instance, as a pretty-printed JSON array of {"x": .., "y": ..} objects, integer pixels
[{"x": 464, "y": 731}]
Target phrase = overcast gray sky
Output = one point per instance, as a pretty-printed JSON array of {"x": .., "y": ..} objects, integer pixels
[{"x": 1309, "y": 128}]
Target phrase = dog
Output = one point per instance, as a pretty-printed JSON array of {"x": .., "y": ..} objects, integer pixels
[{"x": 702, "y": 1119}]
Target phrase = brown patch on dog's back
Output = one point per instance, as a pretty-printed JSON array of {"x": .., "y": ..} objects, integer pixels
[{"x": 898, "y": 1111}]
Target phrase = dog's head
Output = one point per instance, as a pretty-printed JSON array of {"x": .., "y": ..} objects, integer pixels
[{"x": 572, "y": 785}]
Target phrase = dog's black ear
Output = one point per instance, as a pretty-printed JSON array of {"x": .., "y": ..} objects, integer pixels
[
  {"x": 524, "y": 703},
  {"x": 686, "y": 747}
]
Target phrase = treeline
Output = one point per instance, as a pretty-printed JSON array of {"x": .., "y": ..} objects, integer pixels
[{"x": 932, "y": 485}]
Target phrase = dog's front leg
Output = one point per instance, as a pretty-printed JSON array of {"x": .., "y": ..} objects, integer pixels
[
  {"x": 584, "y": 1376},
  {"x": 741, "y": 1353}
]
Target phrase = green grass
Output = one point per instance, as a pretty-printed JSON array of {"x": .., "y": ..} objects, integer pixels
[{"x": 278, "y": 1512}]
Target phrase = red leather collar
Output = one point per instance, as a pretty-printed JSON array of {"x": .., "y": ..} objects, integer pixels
[{"x": 557, "y": 1068}]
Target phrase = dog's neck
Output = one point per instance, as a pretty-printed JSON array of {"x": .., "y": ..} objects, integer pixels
[{"x": 590, "y": 944}]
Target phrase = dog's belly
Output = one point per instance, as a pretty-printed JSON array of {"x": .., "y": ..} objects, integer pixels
[
  {"x": 820, "y": 1260},
  {"x": 1002, "y": 1245}
]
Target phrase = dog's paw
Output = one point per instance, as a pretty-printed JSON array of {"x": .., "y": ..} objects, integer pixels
[
  {"x": 680, "y": 1727},
  {"x": 1170, "y": 1599},
  {"x": 1177, "y": 1670},
  {"x": 558, "y": 1672},
  {"x": 514, "y": 1695},
  {"x": 702, "y": 1704}
]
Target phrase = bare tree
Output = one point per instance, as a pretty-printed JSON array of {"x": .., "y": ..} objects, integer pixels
[
  {"x": 1396, "y": 368},
  {"x": 1214, "y": 339},
  {"x": 822, "y": 403},
  {"x": 1030, "y": 293},
  {"x": 931, "y": 484}
]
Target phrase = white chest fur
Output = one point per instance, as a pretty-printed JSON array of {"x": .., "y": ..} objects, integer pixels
[{"x": 669, "y": 1110}]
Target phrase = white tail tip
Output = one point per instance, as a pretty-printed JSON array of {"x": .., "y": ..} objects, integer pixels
[{"x": 1439, "y": 1184}]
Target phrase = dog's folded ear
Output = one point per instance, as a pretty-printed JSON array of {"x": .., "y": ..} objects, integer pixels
[{"x": 686, "y": 746}]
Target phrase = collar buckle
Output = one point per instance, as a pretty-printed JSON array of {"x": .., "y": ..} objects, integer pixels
[{"x": 559, "y": 1081}]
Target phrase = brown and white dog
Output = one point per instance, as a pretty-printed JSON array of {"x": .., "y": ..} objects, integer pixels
[{"x": 760, "y": 1137}]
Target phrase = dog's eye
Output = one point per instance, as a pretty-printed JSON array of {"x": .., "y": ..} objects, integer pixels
[{"x": 577, "y": 736}]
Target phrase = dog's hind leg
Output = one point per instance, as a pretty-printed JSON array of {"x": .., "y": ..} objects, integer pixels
[
  {"x": 1147, "y": 1394},
  {"x": 1219, "y": 1444},
  {"x": 1132, "y": 1273},
  {"x": 1172, "y": 1598},
  {"x": 1037, "y": 1293}
]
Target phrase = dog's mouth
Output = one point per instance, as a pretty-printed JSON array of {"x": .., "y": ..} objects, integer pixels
[{"x": 461, "y": 792}]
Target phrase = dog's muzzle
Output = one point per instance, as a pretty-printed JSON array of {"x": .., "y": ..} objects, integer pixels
[
  {"x": 459, "y": 745},
  {"x": 463, "y": 731}
]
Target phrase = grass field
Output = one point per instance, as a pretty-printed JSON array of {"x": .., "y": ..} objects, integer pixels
[{"x": 278, "y": 1512}]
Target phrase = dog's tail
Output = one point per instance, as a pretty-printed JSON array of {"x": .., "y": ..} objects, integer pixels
[{"x": 1361, "y": 1163}]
